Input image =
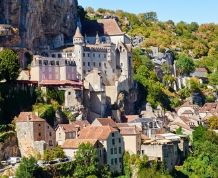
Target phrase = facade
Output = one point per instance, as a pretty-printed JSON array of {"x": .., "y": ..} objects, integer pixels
[
  {"x": 160, "y": 150},
  {"x": 132, "y": 139},
  {"x": 69, "y": 131},
  {"x": 34, "y": 134},
  {"x": 70, "y": 147},
  {"x": 64, "y": 132},
  {"x": 112, "y": 141}
]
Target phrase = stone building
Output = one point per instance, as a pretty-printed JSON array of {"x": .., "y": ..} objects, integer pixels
[
  {"x": 34, "y": 134},
  {"x": 112, "y": 142}
]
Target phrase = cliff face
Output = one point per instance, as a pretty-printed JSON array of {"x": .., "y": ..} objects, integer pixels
[{"x": 41, "y": 23}]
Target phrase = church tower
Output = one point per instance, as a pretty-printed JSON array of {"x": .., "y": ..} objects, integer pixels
[{"x": 78, "y": 41}]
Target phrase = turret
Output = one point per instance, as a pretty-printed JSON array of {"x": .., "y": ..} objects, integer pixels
[
  {"x": 78, "y": 41},
  {"x": 78, "y": 38},
  {"x": 97, "y": 41}
]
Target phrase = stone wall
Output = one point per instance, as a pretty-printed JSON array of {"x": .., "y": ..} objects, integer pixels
[{"x": 40, "y": 23}]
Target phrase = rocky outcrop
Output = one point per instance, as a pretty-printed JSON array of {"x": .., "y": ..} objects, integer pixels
[
  {"x": 9, "y": 148},
  {"x": 41, "y": 23}
]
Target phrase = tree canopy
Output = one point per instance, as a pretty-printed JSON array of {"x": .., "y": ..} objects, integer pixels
[
  {"x": 184, "y": 64},
  {"x": 9, "y": 65}
]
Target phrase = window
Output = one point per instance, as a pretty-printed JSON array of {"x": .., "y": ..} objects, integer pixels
[
  {"x": 39, "y": 125},
  {"x": 112, "y": 134},
  {"x": 119, "y": 150},
  {"x": 142, "y": 152},
  {"x": 84, "y": 63},
  {"x": 99, "y": 55},
  {"x": 88, "y": 55},
  {"x": 115, "y": 160},
  {"x": 45, "y": 62},
  {"x": 120, "y": 160},
  {"x": 93, "y": 63},
  {"x": 53, "y": 55},
  {"x": 59, "y": 55},
  {"x": 100, "y": 153},
  {"x": 39, "y": 134},
  {"x": 84, "y": 55},
  {"x": 112, "y": 162},
  {"x": 69, "y": 93},
  {"x": 50, "y": 143},
  {"x": 69, "y": 54},
  {"x": 115, "y": 150},
  {"x": 112, "y": 151},
  {"x": 88, "y": 63},
  {"x": 52, "y": 63},
  {"x": 40, "y": 62},
  {"x": 99, "y": 64},
  {"x": 105, "y": 65},
  {"x": 93, "y": 55},
  {"x": 104, "y": 55},
  {"x": 50, "y": 134},
  {"x": 119, "y": 140},
  {"x": 57, "y": 63},
  {"x": 113, "y": 141}
]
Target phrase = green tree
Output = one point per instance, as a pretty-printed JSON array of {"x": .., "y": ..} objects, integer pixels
[
  {"x": 9, "y": 65},
  {"x": 27, "y": 168},
  {"x": 213, "y": 78},
  {"x": 86, "y": 156},
  {"x": 54, "y": 153},
  {"x": 185, "y": 65}
]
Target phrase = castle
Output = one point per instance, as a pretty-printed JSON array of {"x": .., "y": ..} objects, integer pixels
[{"x": 100, "y": 50}]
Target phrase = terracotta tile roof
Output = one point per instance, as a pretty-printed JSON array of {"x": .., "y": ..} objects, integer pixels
[
  {"x": 60, "y": 82},
  {"x": 107, "y": 121},
  {"x": 144, "y": 137},
  {"x": 129, "y": 130},
  {"x": 102, "y": 27},
  {"x": 68, "y": 127},
  {"x": 81, "y": 124},
  {"x": 209, "y": 107},
  {"x": 96, "y": 132},
  {"x": 29, "y": 116},
  {"x": 74, "y": 143},
  {"x": 131, "y": 117},
  {"x": 122, "y": 125},
  {"x": 187, "y": 112}
]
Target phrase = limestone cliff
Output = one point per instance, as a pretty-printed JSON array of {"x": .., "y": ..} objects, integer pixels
[
  {"x": 41, "y": 23},
  {"x": 9, "y": 148}
]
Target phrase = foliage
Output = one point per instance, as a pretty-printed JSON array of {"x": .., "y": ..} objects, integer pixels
[
  {"x": 54, "y": 153},
  {"x": 69, "y": 115},
  {"x": 185, "y": 64},
  {"x": 213, "y": 122},
  {"x": 61, "y": 170},
  {"x": 86, "y": 155},
  {"x": 141, "y": 167},
  {"x": 17, "y": 97},
  {"x": 45, "y": 111},
  {"x": 213, "y": 78},
  {"x": 9, "y": 65},
  {"x": 179, "y": 131},
  {"x": 194, "y": 84},
  {"x": 204, "y": 159},
  {"x": 28, "y": 168},
  {"x": 55, "y": 94}
]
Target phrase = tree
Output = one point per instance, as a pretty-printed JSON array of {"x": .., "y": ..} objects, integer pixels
[
  {"x": 86, "y": 156},
  {"x": 54, "y": 153},
  {"x": 213, "y": 78},
  {"x": 9, "y": 65},
  {"x": 213, "y": 122},
  {"x": 185, "y": 65},
  {"x": 27, "y": 168},
  {"x": 150, "y": 16}
]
